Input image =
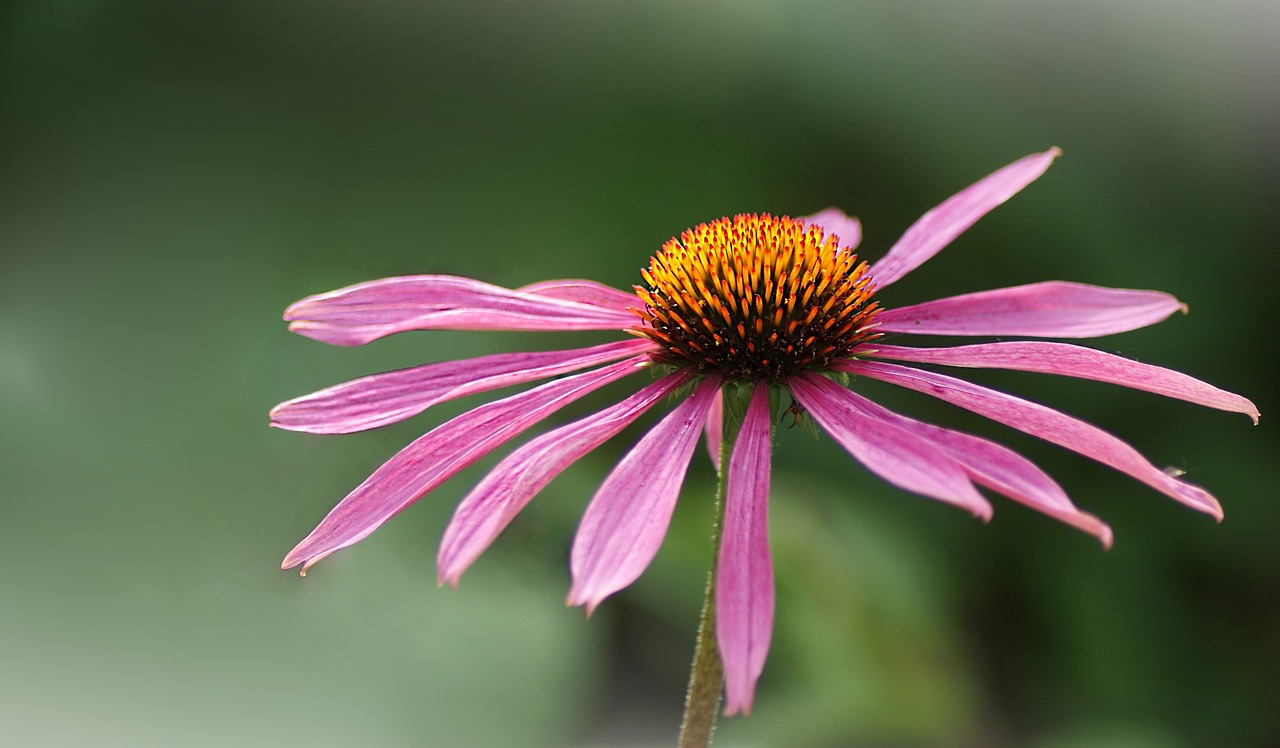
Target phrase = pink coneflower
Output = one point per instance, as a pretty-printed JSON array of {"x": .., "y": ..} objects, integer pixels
[{"x": 729, "y": 313}]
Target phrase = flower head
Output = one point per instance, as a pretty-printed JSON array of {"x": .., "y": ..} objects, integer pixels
[
  {"x": 776, "y": 304},
  {"x": 755, "y": 298}
]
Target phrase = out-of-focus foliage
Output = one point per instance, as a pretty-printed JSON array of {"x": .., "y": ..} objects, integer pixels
[{"x": 175, "y": 173}]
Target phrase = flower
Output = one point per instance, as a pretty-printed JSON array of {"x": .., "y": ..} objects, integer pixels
[{"x": 760, "y": 303}]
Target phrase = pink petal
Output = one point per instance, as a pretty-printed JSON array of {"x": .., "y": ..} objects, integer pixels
[
  {"x": 585, "y": 292},
  {"x": 940, "y": 226},
  {"x": 392, "y": 396},
  {"x": 1074, "y": 361},
  {"x": 896, "y": 455},
  {"x": 715, "y": 429},
  {"x": 1037, "y": 420},
  {"x": 834, "y": 221},
  {"x": 627, "y": 519},
  {"x": 993, "y": 466},
  {"x": 744, "y": 584},
  {"x": 1054, "y": 309},
  {"x": 438, "y": 455},
  {"x": 509, "y": 487},
  {"x": 358, "y": 314}
]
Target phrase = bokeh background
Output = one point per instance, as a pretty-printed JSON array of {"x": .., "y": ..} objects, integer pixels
[{"x": 174, "y": 174}]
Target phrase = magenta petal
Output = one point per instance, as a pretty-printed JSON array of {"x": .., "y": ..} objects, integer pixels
[
  {"x": 380, "y": 399},
  {"x": 835, "y": 221},
  {"x": 627, "y": 519},
  {"x": 358, "y": 314},
  {"x": 585, "y": 292},
  {"x": 715, "y": 429},
  {"x": 940, "y": 226},
  {"x": 509, "y": 487},
  {"x": 1046, "y": 423},
  {"x": 438, "y": 455},
  {"x": 1054, "y": 309},
  {"x": 1006, "y": 472},
  {"x": 896, "y": 455},
  {"x": 996, "y": 467},
  {"x": 1074, "y": 361},
  {"x": 744, "y": 578}
]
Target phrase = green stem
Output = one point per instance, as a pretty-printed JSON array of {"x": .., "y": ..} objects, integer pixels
[{"x": 706, "y": 676}]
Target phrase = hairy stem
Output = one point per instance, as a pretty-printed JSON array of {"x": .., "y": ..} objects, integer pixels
[{"x": 706, "y": 676}]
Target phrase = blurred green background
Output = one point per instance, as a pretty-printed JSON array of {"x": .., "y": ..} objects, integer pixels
[{"x": 174, "y": 174}]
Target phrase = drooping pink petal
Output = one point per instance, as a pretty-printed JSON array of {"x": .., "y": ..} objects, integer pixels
[
  {"x": 1038, "y": 420},
  {"x": 835, "y": 221},
  {"x": 715, "y": 429},
  {"x": 509, "y": 487},
  {"x": 1054, "y": 309},
  {"x": 438, "y": 455},
  {"x": 989, "y": 464},
  {"x": 897, "y": 456},
  {"x": 358, "y": 314},
  {"x": 585, "y": 292},
  {"x": 380, "y": 399},
  {"x": 1073, "y": 361},
  {"x": 627, "y": 519},
  {"x": 744, "y": 583},
  {"x": 939, "y": 227},
  {"x": 1010, "y": 474}
]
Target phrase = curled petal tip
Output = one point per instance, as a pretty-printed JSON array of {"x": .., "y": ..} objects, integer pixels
[
  {"x": 293, "y": 559},
  {"x": 1213, "y": 509},
  {"x": 1086, "y": 522},
  {"x": 1247, "y": 407},
  {"x": 1104, "y": 536},
  {"x": 313, "y": 561},
  {"x": 983, "y": 511},
  {"x": 1053, "y": 152}
]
